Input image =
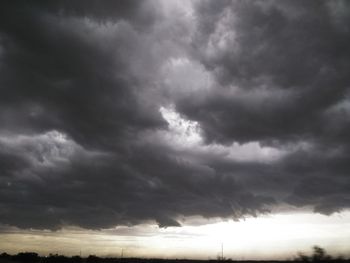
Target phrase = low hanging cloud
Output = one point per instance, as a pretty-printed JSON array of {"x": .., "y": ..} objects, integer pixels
[{"x": 130, "y": 112}]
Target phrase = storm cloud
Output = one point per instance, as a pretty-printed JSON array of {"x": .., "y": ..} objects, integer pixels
[{"x": 131, "y": 112}]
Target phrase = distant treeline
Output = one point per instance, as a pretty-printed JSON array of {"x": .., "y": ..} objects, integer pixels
[{"x": 318, "y": 255}]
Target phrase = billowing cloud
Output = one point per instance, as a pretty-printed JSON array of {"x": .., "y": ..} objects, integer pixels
[
  {"x": 130, "y": 112},
  {"x": 281, "y": 79}
]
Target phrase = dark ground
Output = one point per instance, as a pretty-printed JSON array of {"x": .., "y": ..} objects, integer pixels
[{"x": 30, "y": 257}]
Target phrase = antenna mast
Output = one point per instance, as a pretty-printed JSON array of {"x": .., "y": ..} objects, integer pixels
[{"x": 222, "y": 251}]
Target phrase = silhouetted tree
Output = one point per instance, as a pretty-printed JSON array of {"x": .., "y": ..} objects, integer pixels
[
  {"x": 319, "y": 254},
  {"x": 93, "y": 259},
  {"x": 27, "y": 257},
  {"x": 76, "y": 259},
  {"x": 5, "y": 256},
  {"x": 302, "y": 257},
  {"x": 55, "y": 258}
]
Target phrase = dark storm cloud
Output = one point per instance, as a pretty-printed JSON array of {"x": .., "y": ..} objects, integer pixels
[
  {"x": 290, "y": 59},
  {"x": 281, "y": 71},
  {"x": 65, "y": 185},
  {"x": 62, "y": 73},
  {"x": 71, "y": 109},
  {"x": 82, "y": 140},
  {"x": 133, "y": 11}
]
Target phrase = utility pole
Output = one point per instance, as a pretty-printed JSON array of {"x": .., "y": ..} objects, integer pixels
[{"x": 222, "y": 251}]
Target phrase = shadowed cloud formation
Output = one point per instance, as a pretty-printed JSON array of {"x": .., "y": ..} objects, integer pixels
[{"x": 129, "y": 112}]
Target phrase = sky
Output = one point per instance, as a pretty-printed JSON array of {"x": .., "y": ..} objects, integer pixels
[{"x": 168, "y": 128}]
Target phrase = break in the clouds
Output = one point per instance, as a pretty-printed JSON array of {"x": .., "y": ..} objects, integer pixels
[{"x": 131, "y": 112}]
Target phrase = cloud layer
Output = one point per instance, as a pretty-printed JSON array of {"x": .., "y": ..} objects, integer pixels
[{"x": 129, "y": 112}]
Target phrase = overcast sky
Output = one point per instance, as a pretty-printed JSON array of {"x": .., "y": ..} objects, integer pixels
[{"x": 126, "y": 113}]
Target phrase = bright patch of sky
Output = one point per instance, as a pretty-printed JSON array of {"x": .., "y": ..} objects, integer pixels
[
  {"x": 278, "y": 236},
  {"x": 185, "y": 134}
]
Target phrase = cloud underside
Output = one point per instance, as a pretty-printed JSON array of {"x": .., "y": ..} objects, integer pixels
[{"x": 121, "y": 113}]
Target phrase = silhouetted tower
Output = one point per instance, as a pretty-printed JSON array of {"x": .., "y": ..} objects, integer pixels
[{"x": 222, "y": 251}]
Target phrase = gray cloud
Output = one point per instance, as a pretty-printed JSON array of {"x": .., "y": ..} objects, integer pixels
[
  {"x": 288, "y": 60},
  {"x": 256, "y": 93},
  {"x": 281, "y": 78},
  {"x": 66, "y": 185}
]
